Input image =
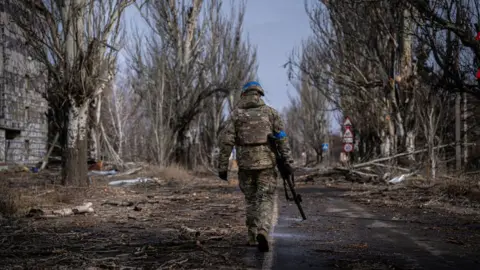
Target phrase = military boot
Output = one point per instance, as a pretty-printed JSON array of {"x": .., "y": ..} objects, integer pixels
[
  {"x": 263, "y": 241},
  {"x": 252, "y": 241}
]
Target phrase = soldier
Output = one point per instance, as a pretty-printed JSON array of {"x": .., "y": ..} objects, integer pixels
[{"x": 248, "y": 129}]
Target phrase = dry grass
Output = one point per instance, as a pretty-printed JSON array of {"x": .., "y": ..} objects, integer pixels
[
  {"x": 9, "y": 200},
  {"x": 147, "y": 234},
  {"x": 175, "y": 172},
  {"x": 17, "y": 201},
  {"x": 172, "y": 172},
  {"x": 460, "y": 187},
  {"x": 458, "y": 194}
]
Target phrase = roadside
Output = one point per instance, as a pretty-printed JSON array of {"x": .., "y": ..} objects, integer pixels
[
  {"x": 352, "y": 230},
  {"x": 177, "y": 221}
]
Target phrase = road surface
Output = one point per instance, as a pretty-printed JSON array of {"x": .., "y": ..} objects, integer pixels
[{"x": 340, "y": 234}]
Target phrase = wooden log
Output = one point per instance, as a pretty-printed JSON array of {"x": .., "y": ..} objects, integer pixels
[
  {"x": 63, "y": 212},
  {"x": 85, "y": 208}
]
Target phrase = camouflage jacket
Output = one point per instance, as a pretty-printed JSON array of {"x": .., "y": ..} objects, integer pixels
[{"x": 247, "y": 130}]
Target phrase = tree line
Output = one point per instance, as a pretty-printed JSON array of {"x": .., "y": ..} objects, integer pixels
[
  {"x": 166, "y": 107},
  {"x": 403, "y": 71}
]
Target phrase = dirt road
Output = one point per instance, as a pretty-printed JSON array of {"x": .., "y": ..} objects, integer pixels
[{"x": 341, "y": 234}]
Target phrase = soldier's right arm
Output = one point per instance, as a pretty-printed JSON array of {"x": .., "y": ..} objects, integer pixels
[
  {"x": 281, "y": 136},
  {"x": 226, "y": 143}
]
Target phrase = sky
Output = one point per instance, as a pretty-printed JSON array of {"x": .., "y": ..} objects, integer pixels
[{"x": 276, "y": 27}]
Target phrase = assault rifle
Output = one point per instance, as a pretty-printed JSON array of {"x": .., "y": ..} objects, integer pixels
[{"x": 288, "y": 178}]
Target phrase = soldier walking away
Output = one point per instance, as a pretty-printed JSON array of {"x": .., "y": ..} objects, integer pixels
[{"x": 248, "y": 129}]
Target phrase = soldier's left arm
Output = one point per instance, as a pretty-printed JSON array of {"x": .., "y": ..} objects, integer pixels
[
  {"x": 226, "y": 143},
  {"x": 281, "y": 136}
]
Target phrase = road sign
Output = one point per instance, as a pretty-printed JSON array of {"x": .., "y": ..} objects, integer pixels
[
  {"x": 348, "y": 133},
  {"x": 348, "y": 147},
  {"x": 347, "y": 122},
  {"x": 324, "y": 146},
  {"x": 348, "y": 140}
]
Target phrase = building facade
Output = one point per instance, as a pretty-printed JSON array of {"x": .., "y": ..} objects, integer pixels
[{"x": 23, "y": 120}]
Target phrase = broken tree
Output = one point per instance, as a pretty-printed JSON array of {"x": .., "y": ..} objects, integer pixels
[{"x": 75, "y": 40}]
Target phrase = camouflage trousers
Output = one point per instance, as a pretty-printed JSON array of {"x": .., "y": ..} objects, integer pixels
[{"x": 259, "y": 187}]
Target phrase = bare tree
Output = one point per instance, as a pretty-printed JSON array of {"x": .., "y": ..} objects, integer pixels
[
  {"x": 76, "y": 41},
  {"x": 194, "y": 58},
  {"x": 432, "y": 108},
  {"x": 447, "y": 30},
  {"x": 308, "y": 112},
  {"x": 373, "y": 59}
]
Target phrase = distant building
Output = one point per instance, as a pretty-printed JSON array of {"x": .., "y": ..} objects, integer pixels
[{"x": 23, "y": 121}]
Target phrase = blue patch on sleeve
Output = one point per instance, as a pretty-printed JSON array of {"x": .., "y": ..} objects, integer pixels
[
  {"x": 250, "y": 84},
  {"x": 280, "y": 135}
]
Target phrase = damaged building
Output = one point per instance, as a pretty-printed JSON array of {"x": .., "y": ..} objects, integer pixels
[{"x": 23, "y": 121}]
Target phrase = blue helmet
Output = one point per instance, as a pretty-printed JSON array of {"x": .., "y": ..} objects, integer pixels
[{"x": 253, "y": 85}]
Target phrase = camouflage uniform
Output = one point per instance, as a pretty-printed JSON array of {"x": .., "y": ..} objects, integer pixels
[{"x": 247, "y": 130}]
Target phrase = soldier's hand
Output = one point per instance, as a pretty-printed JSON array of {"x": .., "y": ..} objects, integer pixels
[{"x": 223, "y": 175}]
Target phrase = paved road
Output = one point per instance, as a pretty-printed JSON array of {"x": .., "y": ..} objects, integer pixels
[{"x": 343, "y": 235}]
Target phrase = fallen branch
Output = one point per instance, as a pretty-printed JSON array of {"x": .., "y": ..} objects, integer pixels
[
  {"x": 355, "y": 172},
  {"x": 115, "y": 203},
  {"x": 360, "y": 165},
  {"x": 86, "y": 208},
  {"x": 129, "y": 172},
  {"x": 353, "y": 169},
  {"x": 116, "y": 158},
  {"x": 45, "y": 159},
  {"x": 391, "y": 167},
  {"x": 81, "y": 209}
]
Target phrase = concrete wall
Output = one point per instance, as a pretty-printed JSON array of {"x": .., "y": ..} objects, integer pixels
[{"x": 23, "y": 123}]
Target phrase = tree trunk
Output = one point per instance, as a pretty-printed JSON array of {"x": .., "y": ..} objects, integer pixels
[
  {"x": 465, "y": 129},
  {"x": 319, "y": 156},
  {"x": 75, "y": 157},
  {"x": 181, "y": 151},
  {"x": 458, "y": 133},
  {"x": 431, "y": 143},
  {"x": 386, "y": 144},
  {"x": 94, "y": 142},
  {"x": 410, "y": 144}
]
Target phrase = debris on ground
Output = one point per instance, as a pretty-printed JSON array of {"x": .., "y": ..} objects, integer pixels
[
  {"x": 102, "y": 173},
  {"x": 81, "y": 209},
  {"x": 174, "y": 220},
  {"x": 130, "y": 182}
]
